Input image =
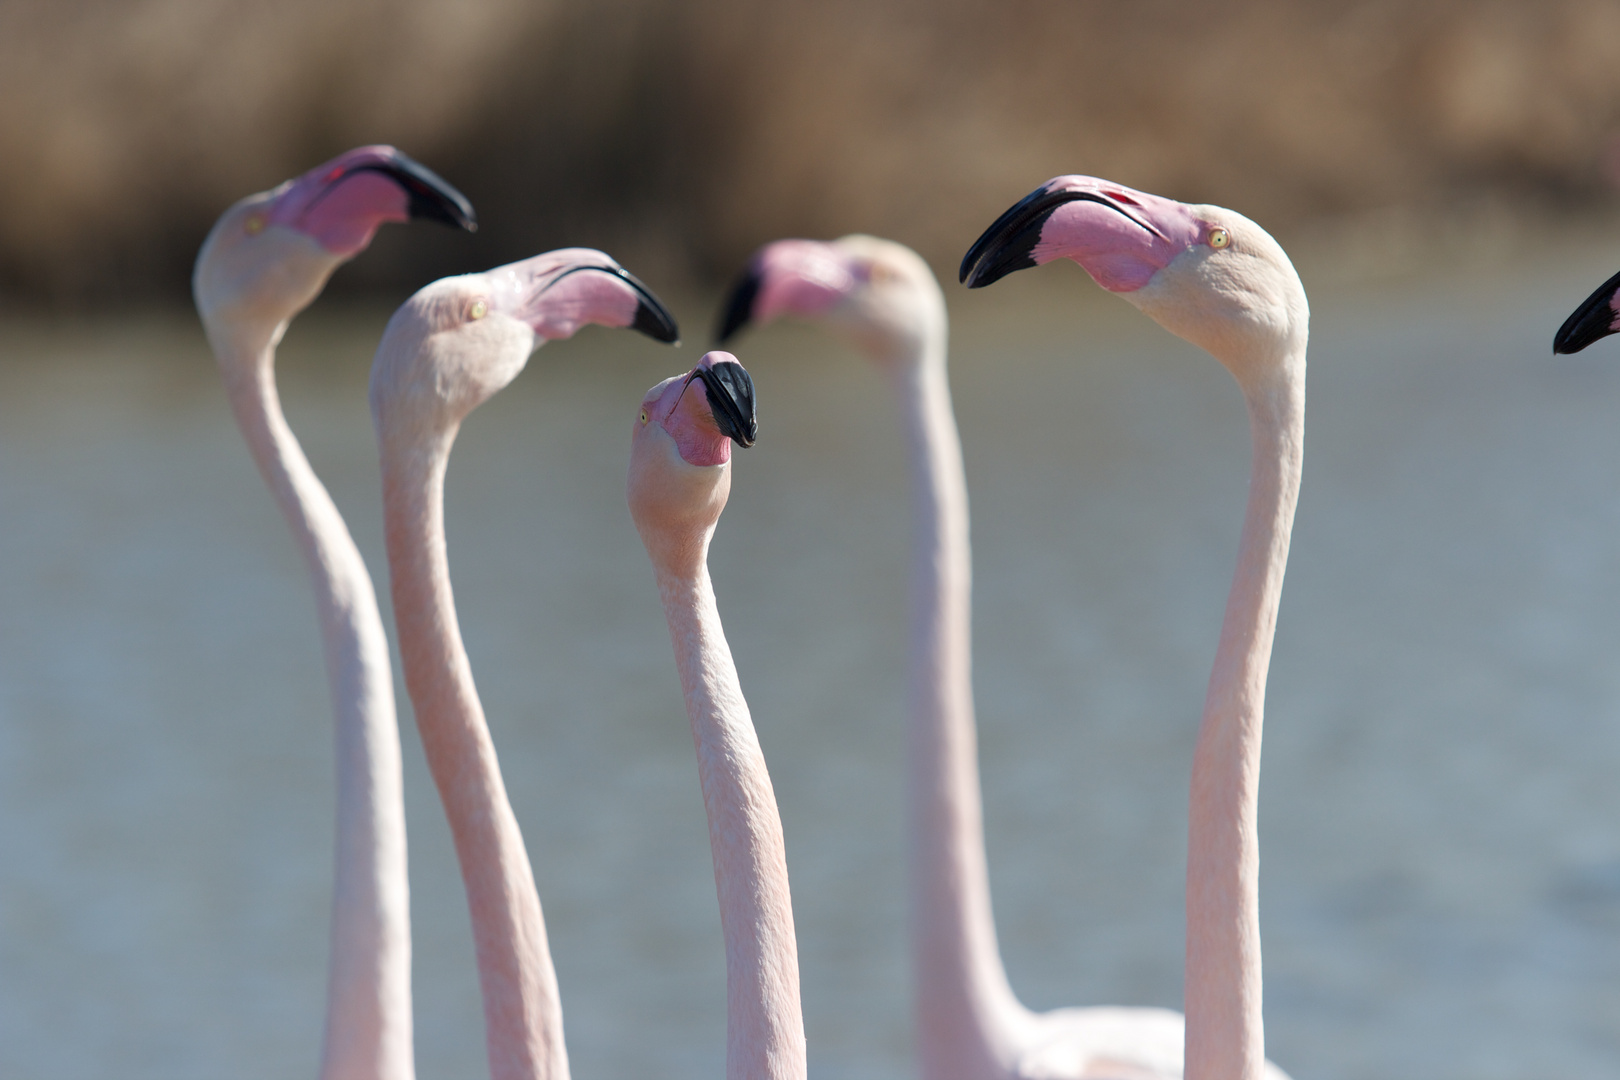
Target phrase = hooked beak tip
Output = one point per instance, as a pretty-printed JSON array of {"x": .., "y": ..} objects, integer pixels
[
  {"x": 1006, "y": 245},
  {"x": 652, "y": 317},
  {"x": 428, "y": 195},
  {"x": 1009, "y": 243},
  {"x": 656, "y": 322},
  {"x": 1596, "y": 318}
]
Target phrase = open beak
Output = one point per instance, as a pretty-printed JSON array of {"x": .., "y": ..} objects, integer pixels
[
  {"x": 1597, "y": 317},
  {"x": 731, "y": 396}
]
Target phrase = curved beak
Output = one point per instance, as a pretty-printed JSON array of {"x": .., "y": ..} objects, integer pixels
[
  {"x": 731, "y": 396},
  {"x": 427, "y": 195},
  {"x": 561, "y": 291},
  {"x": 739, "y": 306},
  {"x": 342, "y": 203},
  {"x": 1124, "y": 228},
  {"x": 1009, "y": 243},
  {"x": 652, "y": 317},
  {"x": 1597, "y": 317}
]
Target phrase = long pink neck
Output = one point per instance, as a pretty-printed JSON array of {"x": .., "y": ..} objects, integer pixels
[
  {"x": 522, "y": 1009},
  {"x": 764, "y": 1022},
  {"x": 368, "y": 1019},
  {"x": 967, "y": 1016},
  {"x": 1225, "y": 1033}
]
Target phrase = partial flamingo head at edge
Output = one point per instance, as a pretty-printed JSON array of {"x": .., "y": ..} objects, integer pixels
[{"x": 1596, "y": 318}]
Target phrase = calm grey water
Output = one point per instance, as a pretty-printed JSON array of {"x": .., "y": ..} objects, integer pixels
[{"x": 1440, "y": 818}]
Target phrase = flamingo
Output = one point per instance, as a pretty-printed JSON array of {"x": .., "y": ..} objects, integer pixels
[
  {"x": 448, "y": 349},
  {"x": 264, "y": 261},
  {"x": 680, "y": 477},
  {"x": 1597, "y": 317},
  {"x": 969, "y": 1022},
  {"x": 1215, "y": 278}
]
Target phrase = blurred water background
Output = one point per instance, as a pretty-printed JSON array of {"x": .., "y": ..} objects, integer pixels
[
  {"x": 1441, "y": 886},
  {"x": 1441, "y": 867}
]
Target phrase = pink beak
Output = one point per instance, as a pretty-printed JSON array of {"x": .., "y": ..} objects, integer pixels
[
  {"x": 341, "y": 203},
  {"x": 1122, "y": 237}
]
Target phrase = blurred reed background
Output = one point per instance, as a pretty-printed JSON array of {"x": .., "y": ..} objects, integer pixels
[{"x": 682, "y": 133}]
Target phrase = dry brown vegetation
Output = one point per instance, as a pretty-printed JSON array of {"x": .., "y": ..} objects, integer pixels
[{"x": 681, "y": 133}]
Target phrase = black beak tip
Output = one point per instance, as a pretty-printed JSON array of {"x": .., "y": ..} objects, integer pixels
[
  {"x": 1565, "y": 346},
  {"x": 429, "y": 196},
  {"x": 1594, "y": 319},
  {"x": 654, "y": 320},
  {"x": 1007, "y": 244},
  {"x": 1010, "y": 255},
  {"x": 970, "y": 261},
  {"x": 731, "y": 401},
  {"x": 652, "y": 317},
  {"x": 739, "y": 306}
]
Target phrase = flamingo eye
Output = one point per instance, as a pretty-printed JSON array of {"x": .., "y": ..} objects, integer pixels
[
  {"x": 1219, "y": 238},
  {"x": 479, "y": 309},
  {"x": 643, "y": 416},
  {"x": 254, "y": 225}
]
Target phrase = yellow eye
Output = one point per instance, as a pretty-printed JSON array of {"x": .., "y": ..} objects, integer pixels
[
  {"x": 643, "y": 416},
  {"x": 254, "y": 225},
  {"x": 479, "y": 309},
  {"x": 1219, "y": 238}
]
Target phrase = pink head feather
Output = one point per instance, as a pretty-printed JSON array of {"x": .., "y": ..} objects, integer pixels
[
  {"x": 803, "y": 278},
  {"x": 1116, "y": 250}
]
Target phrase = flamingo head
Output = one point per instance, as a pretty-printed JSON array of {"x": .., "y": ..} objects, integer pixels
[
  {"x": 269, "y": 255},
  {"x": 1597, "y": 317},
  {"x": 879, "y": 294},
  {"x": 1205, "y": 273},
  {"x": 680, "y": 456},
  {"x": 460, "y": 340}
]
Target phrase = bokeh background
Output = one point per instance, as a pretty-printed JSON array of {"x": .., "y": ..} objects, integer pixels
[
  {"x": 681, "y": 132},
  {"x": 1441, "y": 876}
]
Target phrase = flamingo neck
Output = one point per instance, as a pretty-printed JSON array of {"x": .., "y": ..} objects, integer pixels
[
  {"x": 1225, "y": 1032},
  {"x": 368, "y": 1018},
  {"x": 764, "y": 1021},
  {"x": 522, "y": 1009},
  {"x": 967, "y": 1015}
]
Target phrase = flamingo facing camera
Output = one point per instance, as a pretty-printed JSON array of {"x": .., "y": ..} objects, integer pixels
[{"x": 680, "y": 477}]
